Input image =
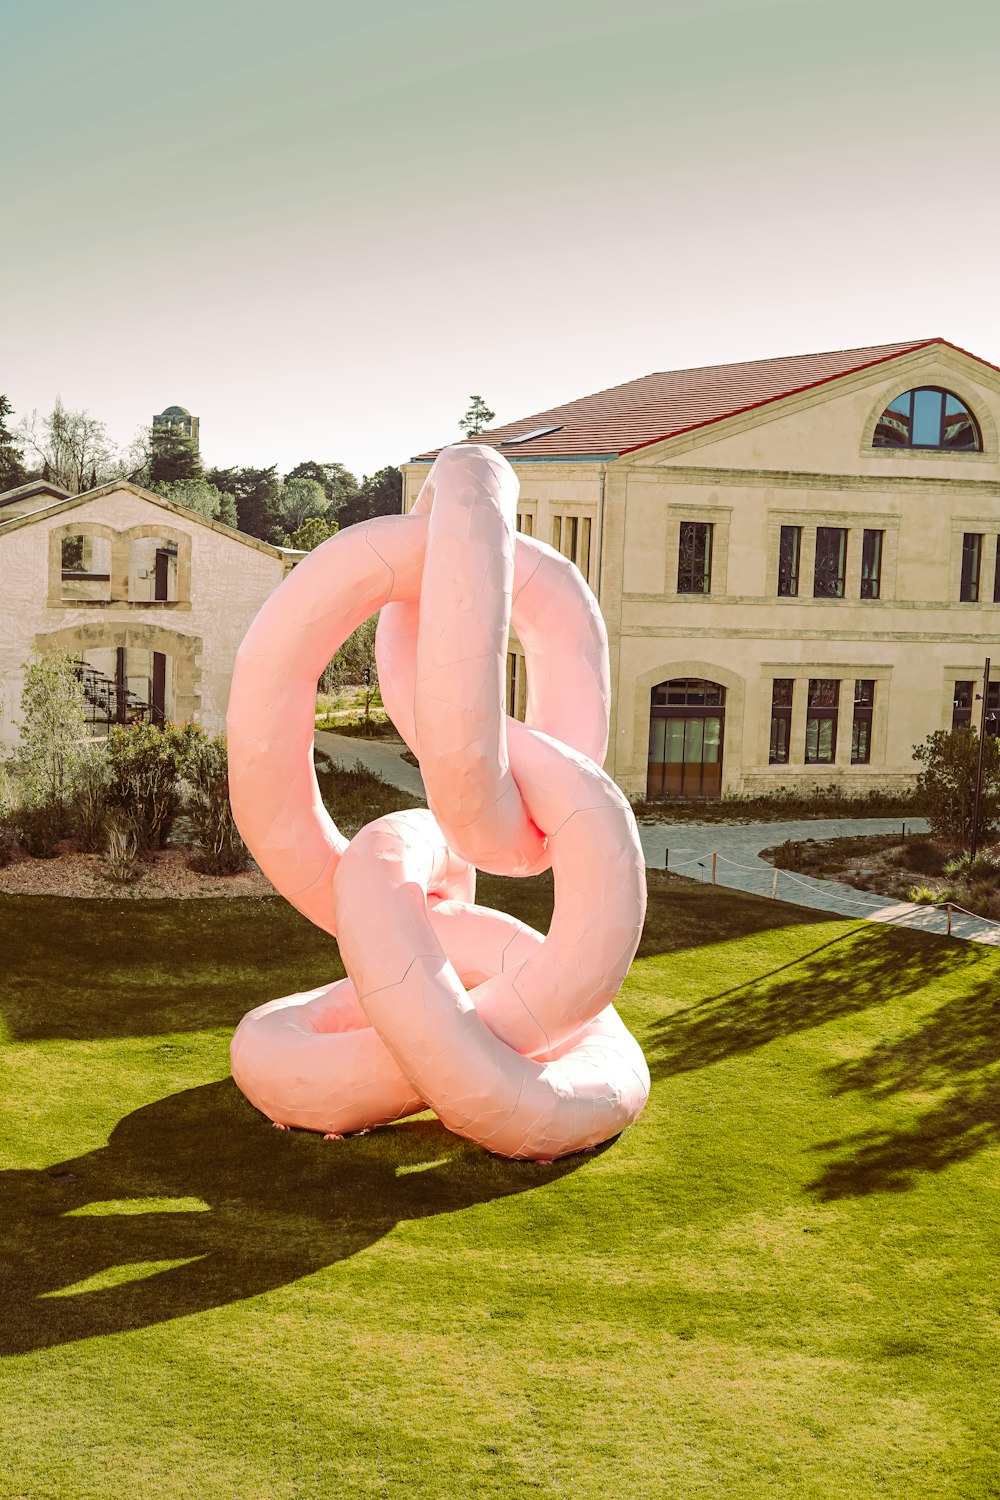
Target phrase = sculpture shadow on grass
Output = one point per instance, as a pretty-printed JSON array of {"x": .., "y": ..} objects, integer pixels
[
  {"x": 269, "y": 1208},
  {"x": 953, "y": 1052}
]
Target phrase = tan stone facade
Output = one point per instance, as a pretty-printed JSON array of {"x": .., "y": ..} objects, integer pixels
[
  {"x": 154, "y": 592},
  {"x": 805, "y": 463}
]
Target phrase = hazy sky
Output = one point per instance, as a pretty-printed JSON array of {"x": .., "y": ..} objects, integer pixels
[{"x": 321, "y": 226}]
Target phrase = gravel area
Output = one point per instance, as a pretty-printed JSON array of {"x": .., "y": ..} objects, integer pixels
[{"x": 164, "y": 874}]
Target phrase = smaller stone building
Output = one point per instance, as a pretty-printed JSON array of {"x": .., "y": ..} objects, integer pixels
[{"x": 151, "y": 599}]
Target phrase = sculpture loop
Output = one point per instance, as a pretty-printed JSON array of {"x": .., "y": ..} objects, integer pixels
[{"x": 510, "y": 1038}]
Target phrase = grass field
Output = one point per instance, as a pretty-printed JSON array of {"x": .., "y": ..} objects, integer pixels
[{"x": 783, "y": 1281}]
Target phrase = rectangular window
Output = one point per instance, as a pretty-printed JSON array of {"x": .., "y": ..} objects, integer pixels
[
  {"x": 961, "y": 708},
  {"x": 822, "y": 706},
  {"x": 694, "y": 561},
  {"x": 993, "y": 709},
  {"x": 972, "y": 556},
  {"x": 861, "y": 729},
  {"x": 525, "y": 523},
  {"x": 789, "y": 552},
  {"x": 831, "y": 562},
  {"x": 871, "y": 565},
  {"x": 781, "y": 720},
  {"x": 583, "y": 561},
  {"x": 996, "y": 576}
]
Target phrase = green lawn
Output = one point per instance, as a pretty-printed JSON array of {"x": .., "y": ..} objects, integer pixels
[{"x": 782, "y": 1282}]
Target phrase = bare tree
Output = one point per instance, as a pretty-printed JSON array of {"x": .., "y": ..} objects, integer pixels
[{"x": 72, "y": 448}]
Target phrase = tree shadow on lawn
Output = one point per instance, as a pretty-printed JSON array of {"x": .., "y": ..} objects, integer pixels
[
  {"x": 280, "y": 1206},
  {"x": 98, "y": 970},
  {"x": 952, "y": 1052}
]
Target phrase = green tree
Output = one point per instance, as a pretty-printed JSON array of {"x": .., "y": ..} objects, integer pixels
[
  {"x": 173, "y": 458},
  {"x": 51, "y": 752},
  {"x": 477, "y": 418},
  {"x": 380, "y": 494},
  {"x": 946, "y": 785},
  {"x": 301, "y": 498},
  {"x": 312, "y": 533},
  {"x": 198, "y": 495},
  {"x": 257, "y": 493},
  {"x": 355, "y": 663},
  {"x": 12, "y": 470},
  {"x": 338, "y": 482}
]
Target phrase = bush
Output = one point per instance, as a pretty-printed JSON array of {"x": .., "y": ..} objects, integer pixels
[
  {"x": 144, "y": 765},
  {"x": 123, "y": 847},
  {"x": 90, "y": 801},
  {"x": 39, "y": 825},
  {"x": 947, "y": 783},
  {"x": 921, "y": 855},
  {"x": 964, "y": 868},
  {"x": 205, "y": 766}
]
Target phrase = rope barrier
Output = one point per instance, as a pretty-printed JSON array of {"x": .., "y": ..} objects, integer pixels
[{"x": 877, "y": 902}]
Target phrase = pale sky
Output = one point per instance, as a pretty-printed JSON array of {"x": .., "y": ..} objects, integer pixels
[{"x": 322, "y": 225}]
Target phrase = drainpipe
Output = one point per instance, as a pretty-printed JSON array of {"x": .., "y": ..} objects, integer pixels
[{"x": 599, "y": 541}]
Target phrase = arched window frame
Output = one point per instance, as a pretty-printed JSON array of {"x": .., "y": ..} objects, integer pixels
[{"x": 952, "y": 386}]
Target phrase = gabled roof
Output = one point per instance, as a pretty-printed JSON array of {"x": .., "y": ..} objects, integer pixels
[
  {"x": 62, "y": 506},
  {"x": 39, "y": 487},
  {"x": 664, "y": 405}
]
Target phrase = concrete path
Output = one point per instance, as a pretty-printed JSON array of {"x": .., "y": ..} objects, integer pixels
[
  {"x": 738, "y": 864},
  {"x": 383, "y": 755},
  {"x": 737, "y": 848}
]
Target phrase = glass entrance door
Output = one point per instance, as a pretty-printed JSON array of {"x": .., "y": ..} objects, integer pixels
[{"x": 686, "y": 725}]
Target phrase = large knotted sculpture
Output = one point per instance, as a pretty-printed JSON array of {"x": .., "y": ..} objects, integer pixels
[{"x": 511, "y": 1039}]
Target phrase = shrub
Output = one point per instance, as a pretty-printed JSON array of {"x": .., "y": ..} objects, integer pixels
[
  {"x": 123, "y": 847},
  {"x": 90, "y": 801},
  {"x": 947, "y": 783},
  {"x": 925, "y": 895},
  {"x": 144, "y": 762},
  {"x": 964, "y": 868},
  {"x": 205, "y": 766},
  {"x": 921, "y": 855}
]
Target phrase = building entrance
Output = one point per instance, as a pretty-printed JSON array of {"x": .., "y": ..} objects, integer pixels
[{"x": 686, "y": 730}]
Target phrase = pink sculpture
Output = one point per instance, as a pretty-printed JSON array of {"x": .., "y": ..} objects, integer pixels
[{"x": 510, "y": 1038}]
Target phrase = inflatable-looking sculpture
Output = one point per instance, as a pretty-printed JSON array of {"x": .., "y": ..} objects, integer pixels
[{"x": 511, "y": 1039}]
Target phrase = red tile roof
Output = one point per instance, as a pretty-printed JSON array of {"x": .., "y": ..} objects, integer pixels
[{"x": 659, "y": 406}]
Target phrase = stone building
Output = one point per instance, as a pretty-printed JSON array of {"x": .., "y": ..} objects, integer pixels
[
  {"x": 151, "y": 599},
  {"x": 176, "y": 421},
  {"x": 796, "y": 559}
]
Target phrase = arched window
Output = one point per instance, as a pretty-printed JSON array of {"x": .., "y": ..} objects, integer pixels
[{"x": 928, "y": 417}]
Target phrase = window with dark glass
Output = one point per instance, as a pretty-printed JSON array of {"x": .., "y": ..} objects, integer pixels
[
  {"x": 831, "y": 562},
  {"x": 822, "y": 705},
  {"x": 996, "y": 576},
  {"x": 961, "y": 711},
  {"x": 871, "y": 565},
  {"x": 781, "y": 720},
  {"x": 861, "y": 728},
  {"x": 928, "y": 417},
  {"x": 992, "y": 720},
  {"x": 694, "y": 561},
  {"x": 789, "y": 552},
  {"x": 972, "y": 556}
]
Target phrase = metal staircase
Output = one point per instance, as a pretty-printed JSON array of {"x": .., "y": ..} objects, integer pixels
[{"x": 109, "y": 702}]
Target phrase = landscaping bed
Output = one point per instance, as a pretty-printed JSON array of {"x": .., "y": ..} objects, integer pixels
[{"x": 916, "y": 868}]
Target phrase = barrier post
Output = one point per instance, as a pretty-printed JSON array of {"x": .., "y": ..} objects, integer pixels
[
  {"x": 949, "y": 919},
  {"x": 666, "y": 859},
  {"x": 774, "y": 883},
  {"x": 714, "y": 858}
]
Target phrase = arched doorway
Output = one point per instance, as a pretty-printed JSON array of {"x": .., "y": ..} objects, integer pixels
[{"x": 686, "y": 730}]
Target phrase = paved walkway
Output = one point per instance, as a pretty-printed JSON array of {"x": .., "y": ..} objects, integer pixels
[
  {"x": 383, "y": 755},
  {"x": 737, "y": 848}
]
